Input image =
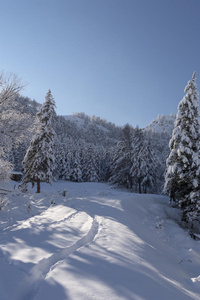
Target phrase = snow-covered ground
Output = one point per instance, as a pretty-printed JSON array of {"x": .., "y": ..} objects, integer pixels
[{"x": 95, "y": 243}]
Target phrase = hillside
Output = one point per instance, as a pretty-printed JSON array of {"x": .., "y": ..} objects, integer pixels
[
  {"x": 90, "y": 148},
  {"x": 95, "y": 243},
  {"x": 94, "y": 129},
  {"x": 163, "y": 124}
]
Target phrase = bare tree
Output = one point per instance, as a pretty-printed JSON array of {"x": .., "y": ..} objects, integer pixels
[{"x": 10, "y": 85}]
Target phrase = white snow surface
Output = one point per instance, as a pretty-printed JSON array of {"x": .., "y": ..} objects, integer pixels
[
  {"x": 96, "y": 243},
  {"x": 163, "y": 124},
  {"x": 80, "y": 122}
]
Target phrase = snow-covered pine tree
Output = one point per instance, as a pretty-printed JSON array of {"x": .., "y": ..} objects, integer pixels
[
  {"x": 90, "y": 168},
  {"x": 104, "y": 164},
  {"x": 121, "y": 164},
  {"x": 144, "y": 161},
  {"x": 40, "y": 157},
  {"x": 149, "y": 166},
  {"x": 76, "y": 174},
  {"x": 183, "y": 163},
  {"x": 59, "y": 165},
  {"x": 119, "y": 167},
  {"x": 135, "y": 170},
  {"x": 68, "y": 167}
]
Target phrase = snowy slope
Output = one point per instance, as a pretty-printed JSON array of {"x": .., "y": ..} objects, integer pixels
[
  {"x": 163, "y": 124},
  {"x": 74, "y": 119},
  {"x": 95, "y": 243},
  {"x": 92, "y": 130},
  {"x": 82, "y": 124}
]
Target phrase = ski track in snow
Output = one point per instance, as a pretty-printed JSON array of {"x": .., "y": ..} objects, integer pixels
[
  {"x": 30, "y": 221},
  {"x": 97, "y": 244},
  {"x": 39, "y": 272},
  {"x": 17, "y": 226}
]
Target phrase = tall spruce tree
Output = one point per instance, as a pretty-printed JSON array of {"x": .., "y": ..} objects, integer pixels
[
  {"x": 76, "y": 174},
  {"x": 149, "y": 166},
  {"x": 90, "y": 168},
  {"x": 121, "y": 164},
  {"x": 183, "y": 164},
  {"x": 119, "y": 168},
  {"x": 136, "y": 168},
  {"x": 39, "y": 160},
  {"x": 144, "y": 161}
]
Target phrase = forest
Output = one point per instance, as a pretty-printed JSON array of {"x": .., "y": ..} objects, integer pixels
[
  {"x": 45, "y": 147},
  {"x": 88, "y": 148}
]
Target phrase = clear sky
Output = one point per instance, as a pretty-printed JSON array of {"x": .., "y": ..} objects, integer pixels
[{"x": 124, "y": 60}]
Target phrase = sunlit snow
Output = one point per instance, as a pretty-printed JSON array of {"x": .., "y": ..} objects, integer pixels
[{"x": 95, "y": 243}]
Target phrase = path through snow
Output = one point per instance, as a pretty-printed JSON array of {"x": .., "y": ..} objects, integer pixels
[{"x": 97, "y": 243}]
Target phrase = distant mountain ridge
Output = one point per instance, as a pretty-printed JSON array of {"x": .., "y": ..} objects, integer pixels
[
  {"x": 81, "y": 139},
  {"x": 163, "y": 124}
]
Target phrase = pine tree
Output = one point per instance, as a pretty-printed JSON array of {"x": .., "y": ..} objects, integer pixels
[
  {"x": 119, "y": 168},
  {"x": 76, "y": 174},
  {"x": 121, "y": 164},
  {"x": 90, "y": 168},
  {"x": 59, "y": 165},
  {"x": 39, "y": 159},
  {"x": 183, "y": 163},
  {"x": 144, "y": 161},
  {"x": 148, "y": 166},
  {"x": 136, "y": 168}
]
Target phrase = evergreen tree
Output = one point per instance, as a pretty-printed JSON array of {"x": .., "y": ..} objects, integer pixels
[
  {"x": 76, "y": 174},
  {"x": 121, "y": 165},
  {"x": 40, "y": 157},
  {"x": 90, "y": 169},
  {"x": 59, "y": 165},
  {"x": 136, "y": 168},
  {"x": 149, "y": 166},
  {"x": 68, "y": 167},
  {"x": 144, "y": 161},
  {"x": 119, "y": 168},
  {"x": 183, "y": 164}
]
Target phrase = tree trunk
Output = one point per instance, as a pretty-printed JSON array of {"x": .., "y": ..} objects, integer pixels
[
  {"x": 130, "y": 181},
  {"x": 140, "y": 190},
  {"x": 38, "y": 185},
  {"x": 136, "y": 182}
]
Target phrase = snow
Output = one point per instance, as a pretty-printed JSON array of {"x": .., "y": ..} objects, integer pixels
[
  {"x": 80, "y": 122},
  {"x": 74, "y": 119},
  {"x": 163, "y": 124},
  {"x": 95, "y": 243}
]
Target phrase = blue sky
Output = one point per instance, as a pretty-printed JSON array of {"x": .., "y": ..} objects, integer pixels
[{"x": 124, "y": 60}]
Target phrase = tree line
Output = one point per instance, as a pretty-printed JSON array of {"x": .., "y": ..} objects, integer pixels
[{"x": 47, "y": 147}]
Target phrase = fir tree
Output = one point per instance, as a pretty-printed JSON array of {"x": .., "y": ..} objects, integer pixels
[
  {"x": 148, "y": 166},
  {"x": 76, "y": 174},
  {"x": 90, "y": 169},
  {"x": 183, "y": 164},
  {"x": 39, "y": 159},
  {"x": 119, "y": 168},
  {"x": 121, "y": 165},
  {"x": 136, "y": 168},
  {"x": 144, "y": 161}
]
